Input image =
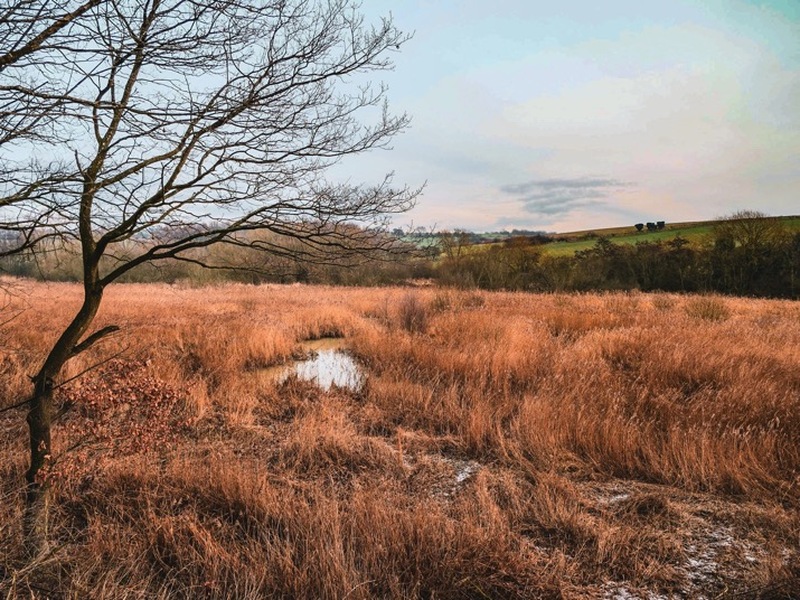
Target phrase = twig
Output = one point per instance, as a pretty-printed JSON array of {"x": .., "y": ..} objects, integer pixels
[
  {"x": 13, "y": 406},
  {"x": 91, "y": 368},
  {"x": 73, "y": 378}
]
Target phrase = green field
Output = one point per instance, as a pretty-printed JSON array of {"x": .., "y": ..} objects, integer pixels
[
  {"x": 568, "y": 243},
  {"x": 695, "y": 232}
]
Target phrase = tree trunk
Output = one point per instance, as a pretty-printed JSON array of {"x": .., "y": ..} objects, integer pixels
[
  {"x": 37, "y": 497},
  {"x": 40, "y": 416}
]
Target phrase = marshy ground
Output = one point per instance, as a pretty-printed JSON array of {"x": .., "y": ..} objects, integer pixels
[{"x": 497, "y": 445}]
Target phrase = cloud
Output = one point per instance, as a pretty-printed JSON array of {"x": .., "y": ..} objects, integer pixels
[
  {"x": 520, "y": 222},
  {"x": 560, "y": 196}
]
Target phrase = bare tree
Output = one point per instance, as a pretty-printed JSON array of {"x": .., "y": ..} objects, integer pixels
[
  {"x": 185, "y": 123},
  {"x": 31, "y": 106},
  {"x": 750, "y": 230}
]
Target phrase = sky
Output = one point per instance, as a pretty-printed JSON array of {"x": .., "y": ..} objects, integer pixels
[{"x": 571, "y": 115}]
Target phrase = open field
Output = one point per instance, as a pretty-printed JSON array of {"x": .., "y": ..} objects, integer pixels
[
  {"x": 694, "y": 232},
  {"x": 503, "y": 445},
  {"x": 568, "y": 243}
]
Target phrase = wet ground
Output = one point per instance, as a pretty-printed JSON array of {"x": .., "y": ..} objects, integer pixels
[{"x": 327, "y": 364}]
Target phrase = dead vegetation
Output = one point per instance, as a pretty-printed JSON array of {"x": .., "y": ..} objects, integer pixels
[{"x": 503, "y": 446}]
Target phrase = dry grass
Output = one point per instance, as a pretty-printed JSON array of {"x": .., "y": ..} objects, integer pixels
[
  {"x": 710, "y": 309},
  {"x": 504, "y": 446}
]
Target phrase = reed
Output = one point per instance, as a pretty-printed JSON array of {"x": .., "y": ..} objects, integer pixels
[{"x": 505, "y": 445}]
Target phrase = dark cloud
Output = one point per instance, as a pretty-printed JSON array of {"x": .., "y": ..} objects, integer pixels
[{"x": 557, "y": 197}]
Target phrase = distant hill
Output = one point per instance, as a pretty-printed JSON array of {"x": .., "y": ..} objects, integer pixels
[
  {"x": 567, "y": 243},
  {"x": 745, "y": 256},
  {"x": 693, "y": 231}
]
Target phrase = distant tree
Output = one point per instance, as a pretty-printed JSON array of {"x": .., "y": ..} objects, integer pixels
[
  {"x": 454, "y": 244},
  {"x": 184, "y": 124},
  {"x": 749, "y": 254},
  {"x": 605, "y": 265},
  {"x": 793, "y": 256},
  {"x": 639, "y": 226},
  {"x": 678, "y": 242},
  {"x": 750, "y": 229},
  {"x": 724, "y": 242},
  {"x": 455, "y": 266}
]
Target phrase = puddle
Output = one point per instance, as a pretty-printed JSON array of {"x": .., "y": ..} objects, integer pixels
[{"x": 328, "y": 365}]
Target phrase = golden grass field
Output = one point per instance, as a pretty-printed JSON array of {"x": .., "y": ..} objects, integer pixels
[{"x": 504, "y": 445}]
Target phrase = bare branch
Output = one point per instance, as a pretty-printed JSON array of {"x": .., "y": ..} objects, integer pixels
[
  {"x": 93, "y": 339},
  {"x": 13, "y": 406},
  {"x": 30, "y": 45}
]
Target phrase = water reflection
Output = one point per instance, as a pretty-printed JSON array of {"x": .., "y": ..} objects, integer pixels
[{"x": 327, "y": 366}]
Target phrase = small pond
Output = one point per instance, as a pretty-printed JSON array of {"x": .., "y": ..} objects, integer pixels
[{"x": 328, "y": 365}]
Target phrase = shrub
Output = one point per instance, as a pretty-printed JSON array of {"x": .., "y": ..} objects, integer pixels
[
  {"x": 413, "y": 314},
  {"x": 708, "y": 309},
  {"x": 663, "y": 302},
  {"x": 442, "y": 302}
]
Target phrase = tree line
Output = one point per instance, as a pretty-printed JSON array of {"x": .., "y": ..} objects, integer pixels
[{"x": 747, "y": 254}]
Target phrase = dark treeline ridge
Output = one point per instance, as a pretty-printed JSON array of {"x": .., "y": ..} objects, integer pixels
[
  {"x": 769, "y": 270},
  {"x": 746, "y": 255}
]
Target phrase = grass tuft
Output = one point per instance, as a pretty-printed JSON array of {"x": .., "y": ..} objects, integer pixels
[{"x": 707, "y": 308}]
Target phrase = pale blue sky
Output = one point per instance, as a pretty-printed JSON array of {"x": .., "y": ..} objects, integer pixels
[{"x": 576, "y": 114}]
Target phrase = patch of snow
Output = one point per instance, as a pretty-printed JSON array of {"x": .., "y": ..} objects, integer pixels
[
  {"x": 466, "y": 471},
  {"x": 612, "y": 495},
  {"x": 463, "y": 470},
  {"x": 702, "y": 565},
  {"x": 620, "y": 592},
  {"x": 618, "y": 498}
]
